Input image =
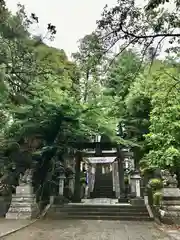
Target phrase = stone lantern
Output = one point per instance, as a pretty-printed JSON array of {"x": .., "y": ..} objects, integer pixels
[
  {"x": 60, "y": 173},
  {"x": 135, "y": 182}
]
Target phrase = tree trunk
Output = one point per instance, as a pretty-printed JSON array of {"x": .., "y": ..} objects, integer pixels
[
  {"x": 86, "y": 86},
  {"x": 77, "y": 189}
]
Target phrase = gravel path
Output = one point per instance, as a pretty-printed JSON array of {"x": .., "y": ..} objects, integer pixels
[{"x": 88, "y": 230}]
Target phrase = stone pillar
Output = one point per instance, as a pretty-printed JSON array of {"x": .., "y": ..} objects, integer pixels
[
  {"x": 61, "y": 184},
  {"x": 87, "y": 192},
  {"x": 89, "y": 180},
  {"x": 110, "y": 168},
  {"x": 117, "y": 185},
  {"x": 23, "y": 204},
  {"x": 113, "y": 177},
  {"x": 71, "y": 182},
  {"x": 93, "y": 171},
  {"x": 120, "y": 160}
]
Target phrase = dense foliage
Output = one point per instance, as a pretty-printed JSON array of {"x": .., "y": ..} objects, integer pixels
[
  {"x": 65, "y": 102},
  {"x": 41, "y": 89}
]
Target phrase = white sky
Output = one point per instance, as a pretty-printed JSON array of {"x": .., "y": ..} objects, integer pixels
[{"x": 72, "y": 18}]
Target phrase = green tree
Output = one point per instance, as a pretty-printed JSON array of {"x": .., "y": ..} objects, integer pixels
[
  {"x": 147, "y": 26},
  {"x": 90, "y": 61},
  {"x": 163, "y": 138},
  {"x": 120, "y": 78}
]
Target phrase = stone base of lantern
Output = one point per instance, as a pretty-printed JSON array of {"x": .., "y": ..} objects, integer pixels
[
  {"x": 170, "y": 207},
  {"x": 123, "y": 199},
  {"x": 138, "y": 201},
  {"x": 60, "y": 200},
  {"x": 170, "y": 214}
]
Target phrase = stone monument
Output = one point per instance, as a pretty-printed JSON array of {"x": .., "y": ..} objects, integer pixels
[
  {"x": 23, "y": 203},
  {"x": 170, "y": 207}
]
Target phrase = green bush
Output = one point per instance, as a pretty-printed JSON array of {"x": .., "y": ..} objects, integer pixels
[
  {"x": 126, "y": 180},
  {"x": 83, "y": 180},
  {"x": 156, "y": 184},
  {"x": 157, "y": 198}
]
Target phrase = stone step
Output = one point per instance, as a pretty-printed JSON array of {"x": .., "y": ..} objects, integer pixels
[
  {"x": 21, "y": 215},
  {"x": 104, "y": 213},
  {"x": 103, "y": 188},
  {"x": 97, "y": 217},
  {"x": 22, "y": 209},
  {"x": 107, "y": 210},
  {"x": 29, "y": 201},
  {"x": 102, "y": 195},
  {"x": 103, "y": 179},
  {"x": 98, "y": 211},
  {"x": 100, "y": 205},
  {"x": 104, "y": 207},
  {"x": 22, "y": 204},
  {"x": 173, "y": 202},
  {"x": 108, "y": 181},
  {"x": 103, "y": 183},
  {"x": 101, "y": 191},
  {"x": 23, "y": 199}
]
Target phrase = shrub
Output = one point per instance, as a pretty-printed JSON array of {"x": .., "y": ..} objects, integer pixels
[
  {"x": 126, "y": 180},
  {"x": 157, "y": 198},
  {"x": 156, "y": 184},
  {"x": 83, "y": 180}
]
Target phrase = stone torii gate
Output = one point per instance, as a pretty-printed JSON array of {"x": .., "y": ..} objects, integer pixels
[{"x": 96, "y": 152}]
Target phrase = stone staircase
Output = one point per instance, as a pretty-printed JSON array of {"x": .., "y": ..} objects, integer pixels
[
  {"x": 99, "y": 212},
  {"x": 103, "y": 191},
  {"x": 103, "y": 186}
]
